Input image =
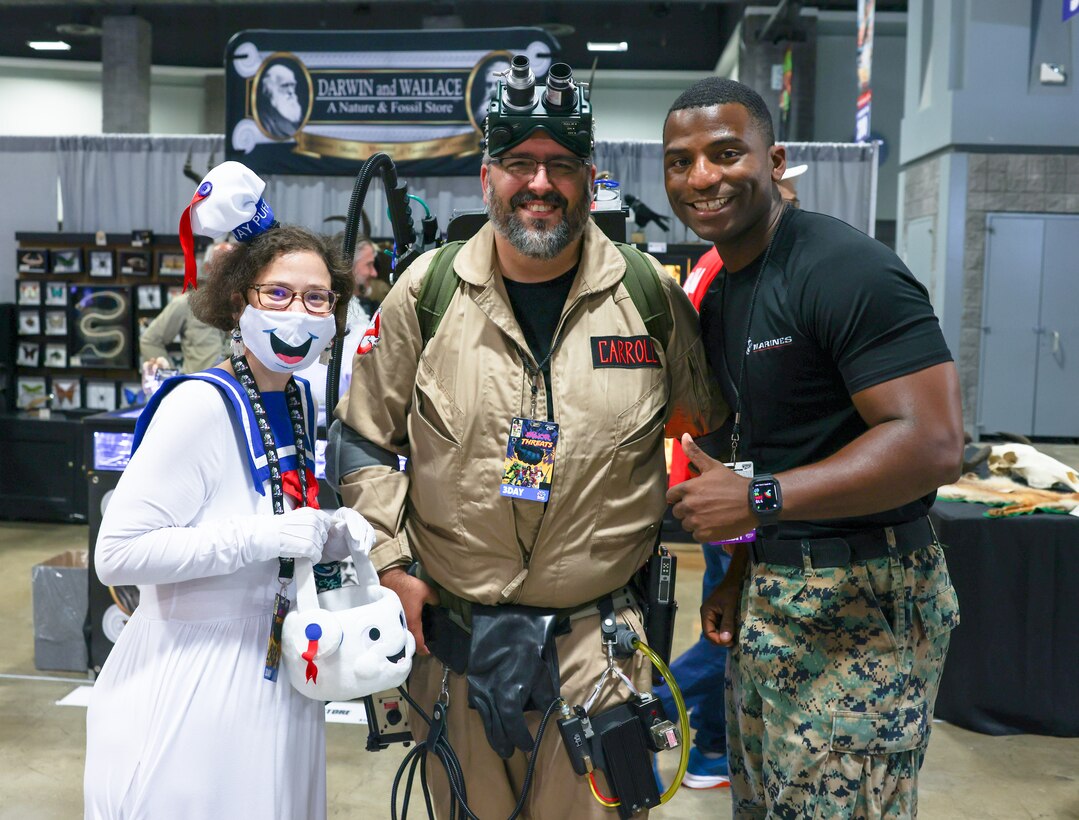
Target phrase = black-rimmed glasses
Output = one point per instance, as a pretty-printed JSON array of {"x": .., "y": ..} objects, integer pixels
[
  {"x": 280, "y": 297},
  {"x": 527, "y": 168}
]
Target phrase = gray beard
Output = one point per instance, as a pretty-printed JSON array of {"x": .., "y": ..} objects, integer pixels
[{"x": 532, "y": 238}]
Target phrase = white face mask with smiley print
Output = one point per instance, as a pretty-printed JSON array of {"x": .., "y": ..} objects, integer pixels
[{"x": 285, "y": 341}]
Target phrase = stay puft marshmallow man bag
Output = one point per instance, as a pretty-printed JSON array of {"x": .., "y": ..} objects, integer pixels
[{"x": 349, "y": 642}]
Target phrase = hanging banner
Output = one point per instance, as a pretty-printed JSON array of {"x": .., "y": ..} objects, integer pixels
[
  {"x": 866, "y": 13},
  {"x": 1071, "y": 8},
  {"x": 320, "y": 103}
]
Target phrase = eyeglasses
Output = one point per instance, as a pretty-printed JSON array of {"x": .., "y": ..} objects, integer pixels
[
  {"x": 280, "y": 297},
  {"x": 527, "y": 168}
]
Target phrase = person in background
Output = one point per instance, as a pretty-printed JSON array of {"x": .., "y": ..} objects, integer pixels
[
  {"x": 365, "y": 274},
  {"x": 201, "y": 346},
  {"x": 377, "y": 290},
  {"x": 846, "y": 399},
  {"x": 189, "y": 717}
]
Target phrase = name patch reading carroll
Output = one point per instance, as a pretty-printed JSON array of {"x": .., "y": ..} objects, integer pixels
[{"x": 624, "y": 351}]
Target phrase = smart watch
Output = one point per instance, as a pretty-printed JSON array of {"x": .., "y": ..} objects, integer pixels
[{"x": 765, "y": 499}]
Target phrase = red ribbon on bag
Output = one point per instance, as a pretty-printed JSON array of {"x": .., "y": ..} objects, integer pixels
[{"x": 313, "y": 633}]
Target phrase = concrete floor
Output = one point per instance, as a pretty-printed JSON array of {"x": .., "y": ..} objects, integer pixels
[{"x": 966, "y": 775}]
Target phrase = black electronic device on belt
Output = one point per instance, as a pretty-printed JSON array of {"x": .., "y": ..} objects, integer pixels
[
  {"x": 619, "y": 742},
  {"x": 660, "y": 607}
]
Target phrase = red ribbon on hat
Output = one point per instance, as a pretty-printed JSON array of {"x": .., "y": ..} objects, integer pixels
[{"x": 187, "y": 236}]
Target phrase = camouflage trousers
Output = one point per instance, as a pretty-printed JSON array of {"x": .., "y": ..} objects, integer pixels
[{"x": 831, "y": 686}]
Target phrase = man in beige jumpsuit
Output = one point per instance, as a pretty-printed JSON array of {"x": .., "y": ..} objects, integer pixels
[{"x": 448, "y": 407}]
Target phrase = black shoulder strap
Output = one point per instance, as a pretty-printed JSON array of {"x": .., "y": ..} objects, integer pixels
[{"x": 437, "y": 289}]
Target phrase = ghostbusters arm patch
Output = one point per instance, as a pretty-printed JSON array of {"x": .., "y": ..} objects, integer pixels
[{"x": 371, "y": 337}]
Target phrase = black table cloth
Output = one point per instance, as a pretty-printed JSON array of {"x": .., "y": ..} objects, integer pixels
[{"x": 1013, "y": 665}]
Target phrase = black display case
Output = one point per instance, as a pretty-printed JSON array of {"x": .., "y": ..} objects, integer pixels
[{"x": 44, "y": 472}]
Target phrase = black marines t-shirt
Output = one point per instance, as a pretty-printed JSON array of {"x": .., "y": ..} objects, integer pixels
[{"x": 836, "y": 313}]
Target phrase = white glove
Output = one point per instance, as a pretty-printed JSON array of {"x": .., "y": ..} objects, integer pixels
[
  {"x": 299, "y": 533},
  {"x": 349, "y": 535}
]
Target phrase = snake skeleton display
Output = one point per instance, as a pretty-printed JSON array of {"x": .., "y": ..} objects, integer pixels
[{"x": 94, "y": 335}]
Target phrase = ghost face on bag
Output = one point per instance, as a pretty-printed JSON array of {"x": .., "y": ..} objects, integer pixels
[{"x": 285, "y": 341}]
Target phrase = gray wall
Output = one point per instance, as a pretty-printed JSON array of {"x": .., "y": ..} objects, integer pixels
[
  {"x": 972, "y": 76},
  {"x": 977, "y": 136}
]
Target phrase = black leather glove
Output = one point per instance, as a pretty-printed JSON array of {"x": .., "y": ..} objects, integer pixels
[{"x": 512, "y": 668}]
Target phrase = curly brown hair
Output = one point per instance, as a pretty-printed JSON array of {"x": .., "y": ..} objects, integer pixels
[{"x": 233, "y": 269}]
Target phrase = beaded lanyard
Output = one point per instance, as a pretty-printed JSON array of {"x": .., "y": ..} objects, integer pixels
[{"x": 277, "y": 489}]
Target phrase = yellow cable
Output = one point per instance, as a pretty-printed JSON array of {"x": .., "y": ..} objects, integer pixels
[
  {"x": 683, "y": 716},
  {"x": 683, "y": 724}
]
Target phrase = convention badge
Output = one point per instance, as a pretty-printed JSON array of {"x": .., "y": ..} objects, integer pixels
[
  {"x": 273, "y": 650},
  {"x": 744, "y": 469},
  {"x": 529, "y": 466}
]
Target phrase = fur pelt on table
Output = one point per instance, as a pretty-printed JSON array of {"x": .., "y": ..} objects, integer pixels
[{"x": 1007, "y": 497}]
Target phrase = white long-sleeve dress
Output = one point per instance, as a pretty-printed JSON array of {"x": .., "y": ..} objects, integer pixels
[{"x": 181, "y": 722}]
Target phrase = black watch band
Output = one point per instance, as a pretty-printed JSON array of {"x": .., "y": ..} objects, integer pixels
[{"x": 765, "y": 499}]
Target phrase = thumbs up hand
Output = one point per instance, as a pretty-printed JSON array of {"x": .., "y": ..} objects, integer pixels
[{"x": 714, "y": 505}]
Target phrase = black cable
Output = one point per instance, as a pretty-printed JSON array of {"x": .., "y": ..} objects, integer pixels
[
  {"x": 446, "y": 756},
  {"x": 454, "y": 774},
  {"x": 352, "y": 221},
  {"x": 404, "y": 240}
]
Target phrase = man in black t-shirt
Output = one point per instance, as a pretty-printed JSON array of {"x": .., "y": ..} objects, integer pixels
[{"x": 846, "y": 400}]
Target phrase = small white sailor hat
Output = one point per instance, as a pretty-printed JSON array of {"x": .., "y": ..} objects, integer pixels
[{"x": 228, "y": 200}]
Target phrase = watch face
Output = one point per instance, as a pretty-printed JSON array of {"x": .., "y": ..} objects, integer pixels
[{"x": 765, "y": 496}]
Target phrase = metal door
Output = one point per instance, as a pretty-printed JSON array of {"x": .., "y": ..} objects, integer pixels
[
  {"x": 1056, "y": 397},
  {"x": 1010, "y": 307}
]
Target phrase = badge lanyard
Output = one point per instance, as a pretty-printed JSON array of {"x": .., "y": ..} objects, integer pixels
[
  {"x": 536, "y": 373},
  {"x": 736, "y": 430},
  {"x": 277, "y": 492}
]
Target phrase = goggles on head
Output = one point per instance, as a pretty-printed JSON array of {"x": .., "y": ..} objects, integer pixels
[{"x": 520, "y": 108}]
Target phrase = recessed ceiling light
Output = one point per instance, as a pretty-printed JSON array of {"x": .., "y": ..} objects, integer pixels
[
  {"x": 48, "y": 45},
  {"x": 622, "y": 46}
]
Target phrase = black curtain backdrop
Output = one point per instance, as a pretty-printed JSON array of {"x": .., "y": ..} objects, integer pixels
[{"x": 1013, "y": 665}]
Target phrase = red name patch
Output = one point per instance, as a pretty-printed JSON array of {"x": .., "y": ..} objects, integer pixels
[{"x": 624, "y": 351}]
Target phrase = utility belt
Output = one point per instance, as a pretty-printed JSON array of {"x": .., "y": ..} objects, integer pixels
[
  {"x": 845, "y": 550},
  {"x": 459, "y": 610},
  {"x": 447, "y": 627}
]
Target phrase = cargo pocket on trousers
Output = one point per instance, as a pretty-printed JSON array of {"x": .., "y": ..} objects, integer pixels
[
  {"x": 872, "y": 760},
  {"x": 939, "y": 615},
  {"x": 880, "y": 733}
]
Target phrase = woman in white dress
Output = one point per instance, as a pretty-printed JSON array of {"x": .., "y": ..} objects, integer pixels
[{"x": 186, "y": 719}]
